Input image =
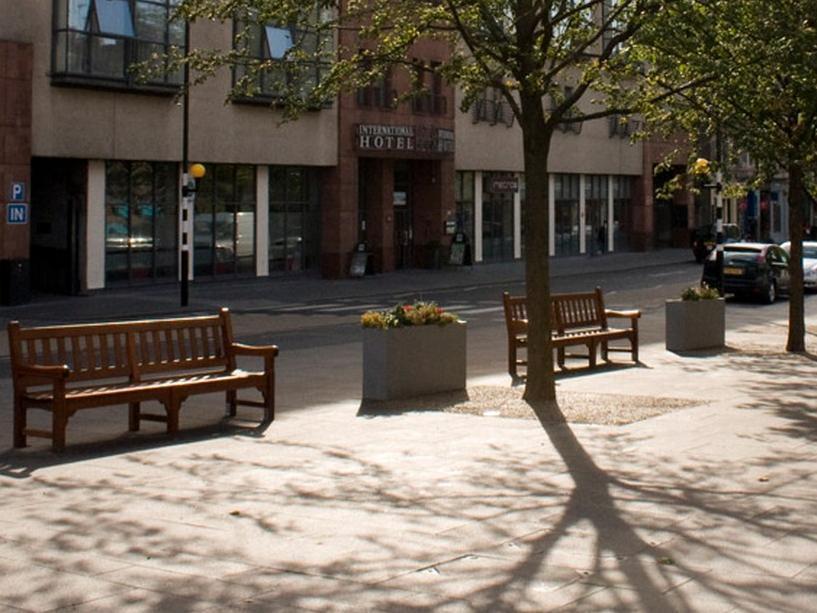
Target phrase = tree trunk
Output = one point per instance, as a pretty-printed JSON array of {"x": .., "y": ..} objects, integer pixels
[
  {"x": 797, "y": 205},
  {"x": 540, "y": 387}
]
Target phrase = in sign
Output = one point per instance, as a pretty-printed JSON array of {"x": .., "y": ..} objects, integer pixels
[{"x": 17, "y": 213}]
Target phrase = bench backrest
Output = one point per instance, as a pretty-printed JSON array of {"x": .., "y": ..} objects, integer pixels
[
  {"x": 578, "y": 311},
  {"x": 516, "y": 314},
  {"x": 126, "y": 349}
]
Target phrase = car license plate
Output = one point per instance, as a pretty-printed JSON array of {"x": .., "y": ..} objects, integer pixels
[{"x": 732, "y": 270}]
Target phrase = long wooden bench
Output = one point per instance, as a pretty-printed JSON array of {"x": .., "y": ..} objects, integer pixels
[
  {"x": 577, "y": 319},
  {"x": 63, "y": 369}
]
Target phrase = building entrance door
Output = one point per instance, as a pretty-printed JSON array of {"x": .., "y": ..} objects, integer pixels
[
  {"x": 57, "y": 221},
  {"x": 403, "y": 226}
]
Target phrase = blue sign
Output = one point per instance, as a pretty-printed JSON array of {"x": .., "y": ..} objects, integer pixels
[
  {"x": 17, "y": 213},
  {"x": 18, "y": 192}
]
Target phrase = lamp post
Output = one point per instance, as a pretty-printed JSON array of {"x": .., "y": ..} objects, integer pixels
[
  {"x": 702, "y": 167},
  {"x": 189, "y": 176}
]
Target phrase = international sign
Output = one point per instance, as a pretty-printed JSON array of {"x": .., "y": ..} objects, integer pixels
[
  {"x": 17, "y": 213},
  {"x": 424, "y": 139}
]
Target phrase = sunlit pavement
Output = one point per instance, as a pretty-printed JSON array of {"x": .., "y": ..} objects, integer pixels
[{"x": 703, "y": 509}]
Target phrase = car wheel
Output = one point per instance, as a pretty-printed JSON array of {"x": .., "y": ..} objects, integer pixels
[{"x": 770, "y": 293}]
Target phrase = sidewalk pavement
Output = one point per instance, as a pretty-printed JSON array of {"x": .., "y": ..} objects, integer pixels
[
  {"x": 267, "y": 293},
  {"x": 704, "y": 509}
]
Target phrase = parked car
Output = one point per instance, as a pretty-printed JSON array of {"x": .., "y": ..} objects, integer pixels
[
  {"x": 750, "y": 269},
  {"x": 809, "y": 263},
  {"x": 704, "y": 237}
]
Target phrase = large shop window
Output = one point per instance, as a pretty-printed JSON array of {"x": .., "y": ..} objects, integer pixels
[
  {"x": 464, "y": 199},
  {"x": 497, "y": 221},
  {"x": 298, "y": 58},
  {"x": 595, "y": 213},
  {"x": 566, "y": 224},
  {"x": 294, "y": 218},
  {"x": 622, "y": 213},
  {"x": 96, "y": 41},
  {"x": 224, "y": 224},
  {"x": 141, "y": 204}
]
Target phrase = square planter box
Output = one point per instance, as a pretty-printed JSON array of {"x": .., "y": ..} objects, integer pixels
[
  {"x": 412, "y": 361},
  {"x": 695, "y": 324}
]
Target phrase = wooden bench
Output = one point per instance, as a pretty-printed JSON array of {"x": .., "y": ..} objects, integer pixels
[
  {"x": 63, "y": 369},
  {"x": 576, "y": 319}
]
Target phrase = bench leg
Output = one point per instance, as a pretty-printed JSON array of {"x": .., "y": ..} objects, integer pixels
[
  {"x": 604, "y": 353},
  {"x": 512, "y": 360},
  {"x": 59, "y": 422},
  {"x": 134, "y": 416},
  {"x": 591, "y": 353},
  {"x": 20, "y": 415},
  {"x": 634, "y": 345},
  {"x": 172, "y": 407},
  {"x": 269, "y": 398},
  {"x": 560, "y": 357},
  {"x": 232, "y": 396}
]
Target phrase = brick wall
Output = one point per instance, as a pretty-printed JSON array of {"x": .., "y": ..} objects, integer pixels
[{"x": 15, "y": 139}]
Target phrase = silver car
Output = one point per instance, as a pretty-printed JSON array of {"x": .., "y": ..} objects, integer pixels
[{"x": 809, "y": 263}]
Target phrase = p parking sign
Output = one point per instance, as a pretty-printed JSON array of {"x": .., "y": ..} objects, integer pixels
[
  {"x": 18, "y": 191},
  {"x": 16, "y": 213}
]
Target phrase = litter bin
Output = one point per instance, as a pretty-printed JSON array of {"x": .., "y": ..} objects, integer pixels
[{"x": 15, "y": 282}]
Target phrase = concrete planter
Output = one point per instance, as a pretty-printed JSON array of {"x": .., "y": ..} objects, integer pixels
[
  {"x": 695, "y": 324},
  {"x": 412, "y": 361}
]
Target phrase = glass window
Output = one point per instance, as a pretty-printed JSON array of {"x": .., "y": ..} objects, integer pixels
[
  {"x": 224, "y": 221},
  {"x": 595, "y": 213},
  {"x": 294, "y": 219},
  {"x": 566, "y": 222},
  {"x": 497, "y": 222},
  {"x": 100, "y": 39},
  {"x": 279, "y": 42},
  {"x": 464, "y": 198},
  {"x": 622, "y": 213},
  {"x": 140, "y": 221},
  {"x": 114, "y": 17},
  {"x": 274, "y": 42}
]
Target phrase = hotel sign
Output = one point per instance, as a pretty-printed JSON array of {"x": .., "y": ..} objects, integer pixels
[{"x": 419, "y": 139}]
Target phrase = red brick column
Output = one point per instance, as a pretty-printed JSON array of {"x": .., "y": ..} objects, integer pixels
[{"x": 16, "y": 61}]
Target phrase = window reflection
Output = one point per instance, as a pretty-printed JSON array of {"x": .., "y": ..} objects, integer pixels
[
  {"x": 294, "y": 219},
  {"x": 224, "y": 223},
  {"x": 141, "y": 209}
]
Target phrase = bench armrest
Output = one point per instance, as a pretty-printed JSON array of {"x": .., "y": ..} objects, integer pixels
[
  {"x": 50, "y": 373},
  {"x": 633, "y": 314},
  {"x": 257, "y": 350}
]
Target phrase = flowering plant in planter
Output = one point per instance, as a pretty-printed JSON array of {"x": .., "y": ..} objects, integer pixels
[
  {"x": 418, "y": 314},
  {"x": 703, "y": 292}
]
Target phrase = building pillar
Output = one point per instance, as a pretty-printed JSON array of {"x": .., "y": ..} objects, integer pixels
[
  {"x": 16, "y": 60},
  {"x": 610, "y": 213},
  {"x": 582, "y": 220},
  {"x": 552, "y": 214},
  {"x": 517, "y": 221},
  {"x": 95, "y": 226},
  {"x": 478, "y": 216},
  {"x": 262, "y": 221}
]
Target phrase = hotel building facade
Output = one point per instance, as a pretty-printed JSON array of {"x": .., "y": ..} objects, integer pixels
[{"x": 98, "y": 159}]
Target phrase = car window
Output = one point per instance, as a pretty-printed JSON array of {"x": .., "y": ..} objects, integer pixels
[
  {"x": 777, "y": 255},
  {"x": 742, "y": 256},
  {"x": 810, "y": 252}
]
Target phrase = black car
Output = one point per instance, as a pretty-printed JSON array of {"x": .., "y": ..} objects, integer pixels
[
  {"x": 750, "y": 269},
  {"x": 703, "y": 239}
]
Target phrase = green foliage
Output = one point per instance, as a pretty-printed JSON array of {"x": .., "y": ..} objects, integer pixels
[
  {"x": 418, "y": 314},
  {"x": 702, "y": 292}
]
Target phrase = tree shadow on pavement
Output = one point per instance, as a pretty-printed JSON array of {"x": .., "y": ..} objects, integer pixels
[{"x": 426, "y": 512}]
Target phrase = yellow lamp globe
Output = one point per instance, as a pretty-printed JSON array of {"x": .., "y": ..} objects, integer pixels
[
  {"x": 197, "y": 171},
  {"x": 701, "y": 166}
]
